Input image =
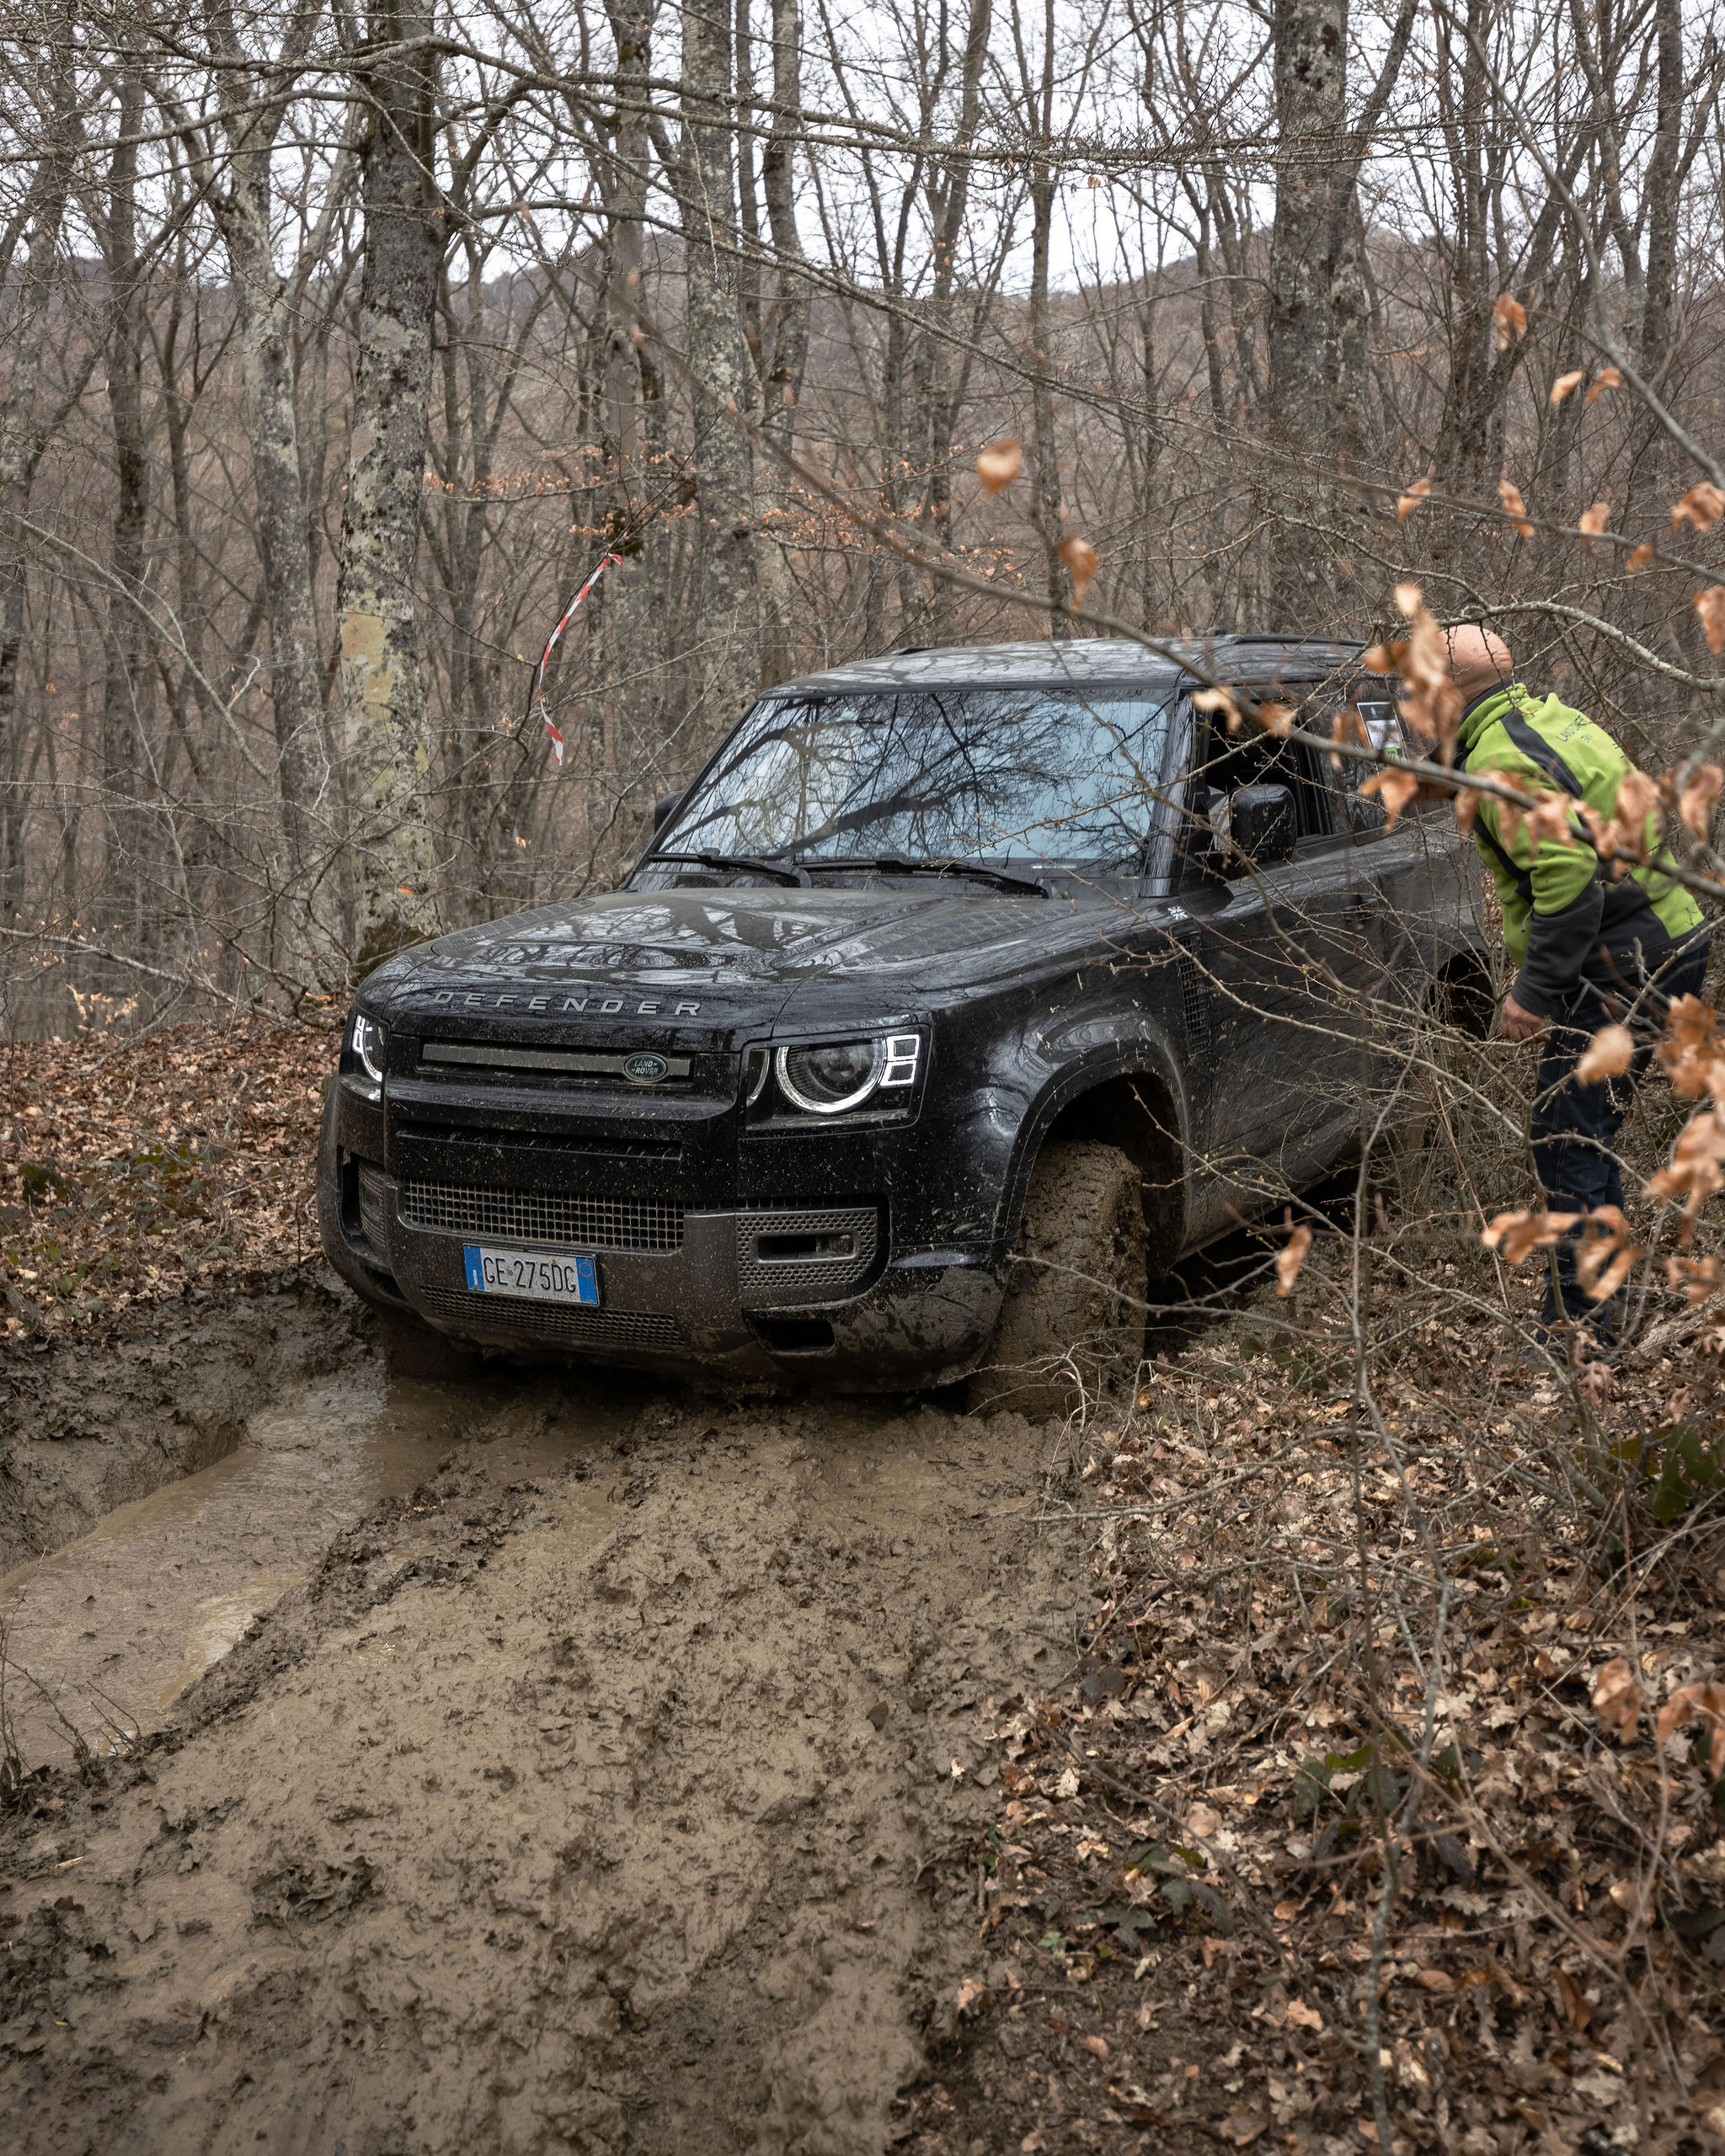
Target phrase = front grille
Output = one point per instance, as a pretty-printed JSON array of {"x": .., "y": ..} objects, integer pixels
[
  {"x": 767, "y": 1276},
  {"x": 638, "y": 1224},
  {"x": 571, "y": 1327}
]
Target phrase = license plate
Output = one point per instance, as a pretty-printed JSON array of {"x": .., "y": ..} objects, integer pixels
[{"x": 572, "y": 1278}]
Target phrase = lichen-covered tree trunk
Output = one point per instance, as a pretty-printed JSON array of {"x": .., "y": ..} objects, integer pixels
[
  {"x": 383, "y": 690},
  {"x": 726, "y": 573}
]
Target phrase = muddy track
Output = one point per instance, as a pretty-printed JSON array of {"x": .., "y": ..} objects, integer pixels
[
  {"x": 589, "y": 1814},
  {"x": 90, "y": 1426}
]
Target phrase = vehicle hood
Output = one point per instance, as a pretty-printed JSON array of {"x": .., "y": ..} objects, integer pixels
[{"x": 736, "y": 953}]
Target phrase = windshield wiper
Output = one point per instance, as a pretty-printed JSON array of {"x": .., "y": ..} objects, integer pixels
[
  {"x": 781, "y": 871},
  {"x": 940, "y": 864}
]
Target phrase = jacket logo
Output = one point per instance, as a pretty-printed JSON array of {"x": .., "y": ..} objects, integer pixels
[{"x": 645, "y": 1070}]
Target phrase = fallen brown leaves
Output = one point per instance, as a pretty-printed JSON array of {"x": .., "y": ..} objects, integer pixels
[
  {"x": 136, "y": 1170},
  {"x": 1177, "y": 1902}
]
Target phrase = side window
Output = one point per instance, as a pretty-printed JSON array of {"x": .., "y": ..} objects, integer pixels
[
  {"x": 1362, "y": 815},
  {"x": 1228, "y": 761}
]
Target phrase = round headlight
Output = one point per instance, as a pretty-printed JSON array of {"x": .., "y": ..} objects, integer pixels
[
  {"x": 828, "y": 1079},
  {"x": 368, "y": 1046}
]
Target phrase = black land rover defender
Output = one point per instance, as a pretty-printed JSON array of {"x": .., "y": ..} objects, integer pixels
[{"x": 960, "y": 991}]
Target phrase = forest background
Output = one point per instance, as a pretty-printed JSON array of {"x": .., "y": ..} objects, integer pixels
[{"x": 336, "y": 353}]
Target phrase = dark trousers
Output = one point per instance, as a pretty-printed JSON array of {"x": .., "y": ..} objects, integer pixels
[{"x": 1575, "y": 1126}]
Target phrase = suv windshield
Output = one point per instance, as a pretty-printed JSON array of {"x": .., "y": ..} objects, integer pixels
[{"x": 1014, "y": 774}]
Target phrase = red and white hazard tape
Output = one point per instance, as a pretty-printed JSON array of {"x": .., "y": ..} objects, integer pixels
[{"x": 551, "y": 646}]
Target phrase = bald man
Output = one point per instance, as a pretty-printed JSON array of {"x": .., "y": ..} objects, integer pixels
[{"x": 1589, "y": 952}]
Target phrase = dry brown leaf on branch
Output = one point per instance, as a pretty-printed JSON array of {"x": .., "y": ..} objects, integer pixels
[
  {"x": 1641, "y": 556},
  {"x": 1433, "y": 704},
  {"x": 1082, "y": 561},
  {"x": 1606, "y": 378},
  {"x": 1710, "y": 605},
  {"x": 1703, "y": 1703},
  {"x": 1514, "y": 1234},
  {"x": 1591, "y": 522},
  {"x": 1394, "y": 788},
  {"x": 1551, "y": 819},
  {"x": 1407, "y": 503},
  {"x": 1609, "y": 1055},
  {"x": 1566, "y": 385},
  {"x": 1690, "y": 1046},
  {"x": 1514, "y": 506},
  {"x": 1381, "y": 658},
  {"x": 1606, "y": 1256},
  {"x": 1348, "y": 726},
  {"x": 1697, "y": 1276},
  {"x": 1702, "y": 506},
  {"x": 1220, "y": 700},
  {"x": 1290, "y": 1257},
  {"x": 1274, "y": 717},
  {"x": 1467, "y": 808},
  {"x": 999, "y": 465},
  {"x": 1694, "y": 804},
  {"x": 1638, "y": 799},
  {"x": 1695, "y": 1170},
  {"x": 1510, "y": 317}
]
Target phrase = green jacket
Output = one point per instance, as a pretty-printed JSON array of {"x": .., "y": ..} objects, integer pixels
[{"x": 1563, "y": 923}]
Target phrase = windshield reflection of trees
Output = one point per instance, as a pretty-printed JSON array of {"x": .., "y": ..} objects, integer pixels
[{"x": 985, "y": 772}]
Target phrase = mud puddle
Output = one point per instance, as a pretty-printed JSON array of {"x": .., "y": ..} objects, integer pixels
[
  {"x": 102, "y": 1637},
  {"x": 591, "y": 1812}
]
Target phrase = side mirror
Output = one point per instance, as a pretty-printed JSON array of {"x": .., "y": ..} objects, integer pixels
[
  {"x": 1261, "y": 825},
  {"x": 663, "y": 810}
]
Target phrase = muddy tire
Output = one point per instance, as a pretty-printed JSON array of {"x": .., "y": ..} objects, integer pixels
[{"x": 1073, "y": 1315}]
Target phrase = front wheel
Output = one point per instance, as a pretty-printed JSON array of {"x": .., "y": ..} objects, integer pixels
[{"x": 1073, "y": 1314}]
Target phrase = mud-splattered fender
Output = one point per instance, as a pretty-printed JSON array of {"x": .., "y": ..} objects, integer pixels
[{"x": 1076, "y": 1058}]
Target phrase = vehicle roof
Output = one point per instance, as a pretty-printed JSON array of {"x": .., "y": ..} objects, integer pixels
[{"x": 1045, "y": 663}]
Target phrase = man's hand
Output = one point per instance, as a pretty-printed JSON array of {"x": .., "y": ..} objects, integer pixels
[{"x": 1516, "y": 1023}]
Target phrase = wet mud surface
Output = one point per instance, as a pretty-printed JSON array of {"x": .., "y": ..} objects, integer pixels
[
  {"x": 87, "y": 1426},
  {"x": 590, "y": 1792}
]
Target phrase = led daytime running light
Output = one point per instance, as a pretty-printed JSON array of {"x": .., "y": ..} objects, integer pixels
[{"x": 787, "y": 1086}]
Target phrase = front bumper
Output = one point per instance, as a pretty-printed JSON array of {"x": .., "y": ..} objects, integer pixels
[{"x": 756, "y": 1293}]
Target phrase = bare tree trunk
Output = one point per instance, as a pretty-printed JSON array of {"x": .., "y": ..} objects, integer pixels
[
  {"x": 1044, "y": 448},
  {"x": 382, "y": 684},
  {"x": 1319, "y": 296},
  {"x": 951, "y": 210},
  {"x": 727, "y": 575},
  {"x": 783, "y": 382},
  {"x": 21, "y": 442},
  {"x": 125, "y": 682},
  {"x": 265, "y": 310},
  {"x": 1662, "y": 193},
  {"x": 1313, "y": 219}
]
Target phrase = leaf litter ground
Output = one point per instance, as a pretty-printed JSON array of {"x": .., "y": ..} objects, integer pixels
[{"x": 1321, "y": 1776}]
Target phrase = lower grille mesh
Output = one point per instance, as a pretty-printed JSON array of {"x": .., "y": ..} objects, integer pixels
[
  {"x": 573, "y": 1328},
  {"x": 643, "y": 1224},
  {"x": 772, "y": 1280}
]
